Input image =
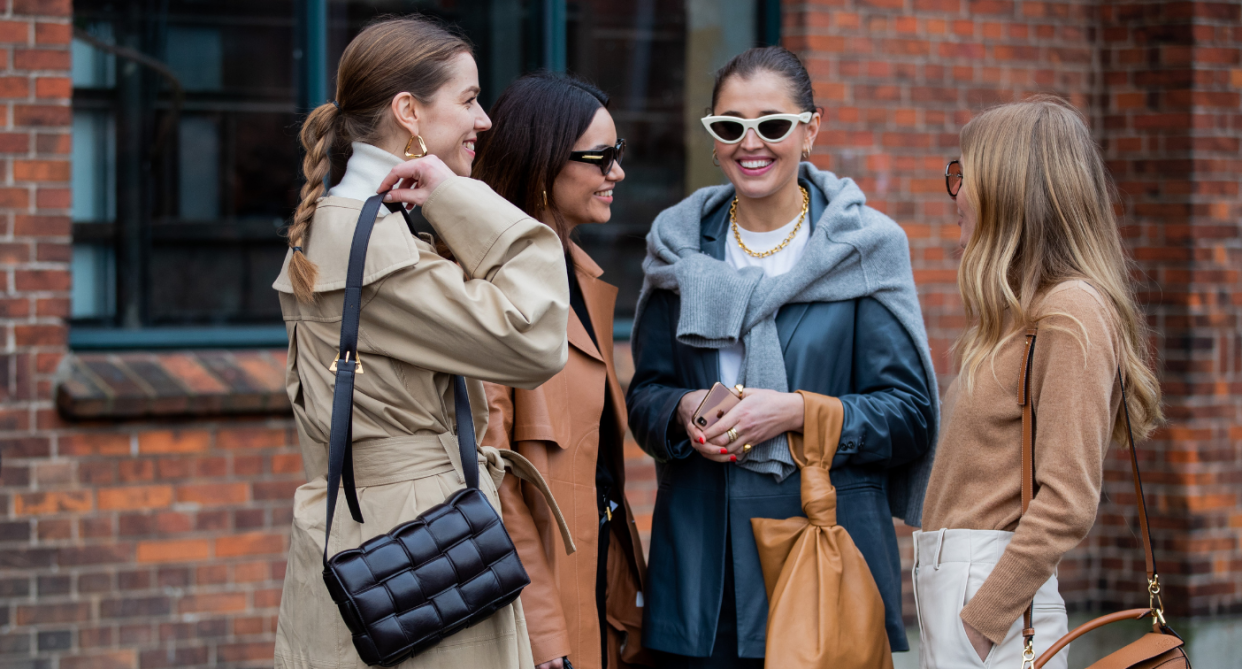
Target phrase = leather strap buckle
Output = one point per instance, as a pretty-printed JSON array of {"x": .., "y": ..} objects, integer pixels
[{"x": 357, "y": 362}]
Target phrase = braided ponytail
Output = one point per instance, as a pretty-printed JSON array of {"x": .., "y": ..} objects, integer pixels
[
  {"x": 391, "y": 56},
  {"x": 318, "y": 135}
]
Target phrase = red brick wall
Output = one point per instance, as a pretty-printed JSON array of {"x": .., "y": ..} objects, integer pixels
[
  {"x": 141, "y": 545},
  {"x": 1170, "y": 121}
]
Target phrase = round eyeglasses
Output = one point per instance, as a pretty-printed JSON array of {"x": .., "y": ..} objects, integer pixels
[{"x": 953, "y": 177}]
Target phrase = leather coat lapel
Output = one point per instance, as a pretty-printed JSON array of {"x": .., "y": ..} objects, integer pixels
[{"x": 579, "y": 339}]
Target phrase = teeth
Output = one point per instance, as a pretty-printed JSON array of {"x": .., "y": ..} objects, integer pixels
[
  {"x": 755, "y": 164},
  {"x": 604, "y": 193},
  {"x": 470, "y": 146}
]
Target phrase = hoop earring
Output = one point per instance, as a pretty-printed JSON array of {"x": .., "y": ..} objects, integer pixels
[
  {"x": 421, "y": 147},
  {"x": 806, "y": 153},
  {"x": 715, "y": 160},
  {"x": 545, "y": 199}
]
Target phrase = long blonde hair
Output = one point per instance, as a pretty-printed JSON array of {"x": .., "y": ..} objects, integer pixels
[
  {"x": 1044, "y": 204},
  {"x": 387, "y": 58}
]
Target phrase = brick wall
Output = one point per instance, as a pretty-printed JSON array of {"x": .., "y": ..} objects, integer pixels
[{"x": 1170, "y": 120}]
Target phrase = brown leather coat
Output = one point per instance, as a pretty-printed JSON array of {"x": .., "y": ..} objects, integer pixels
[{"x": 556, "y": 426}]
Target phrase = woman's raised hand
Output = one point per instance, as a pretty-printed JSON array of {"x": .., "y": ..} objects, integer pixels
[
  {"x": 761, "y": 415},
  {"x": 413, "y": 181}
]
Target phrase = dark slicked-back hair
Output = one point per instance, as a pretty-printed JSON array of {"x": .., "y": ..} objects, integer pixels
[{"x": 775, "y": 59}]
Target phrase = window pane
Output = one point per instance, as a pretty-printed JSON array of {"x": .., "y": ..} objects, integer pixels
[
  {"x": 94, "y": 281},
  {"x": 94, "y": 166},
  {"x": 197, "y": 56},
  {"x": 199, "y": 170},
  {"x": 93, "y": 68},
  {"x": 635, "y": 51}
]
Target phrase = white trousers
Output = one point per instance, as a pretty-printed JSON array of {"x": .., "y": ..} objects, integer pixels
[{"x": 949, "y": 568}]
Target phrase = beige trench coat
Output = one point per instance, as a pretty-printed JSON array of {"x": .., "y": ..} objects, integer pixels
[{"x": 498, "y": 314}]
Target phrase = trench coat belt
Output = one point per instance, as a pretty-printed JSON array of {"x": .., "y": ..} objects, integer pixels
[{"x": 410, "y": 457}]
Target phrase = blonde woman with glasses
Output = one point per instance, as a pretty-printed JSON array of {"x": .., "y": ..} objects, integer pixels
[{"x": 1042, "y": 251}]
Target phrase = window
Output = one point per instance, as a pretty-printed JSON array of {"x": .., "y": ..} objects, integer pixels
[{"x": 187, "y": 165}]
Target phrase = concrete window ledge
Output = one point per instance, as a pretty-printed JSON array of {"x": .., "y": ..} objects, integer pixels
[{"x": 93, "y": 386}]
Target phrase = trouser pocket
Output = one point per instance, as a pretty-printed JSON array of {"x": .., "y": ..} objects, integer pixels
[{"x": 941, "y": 591}]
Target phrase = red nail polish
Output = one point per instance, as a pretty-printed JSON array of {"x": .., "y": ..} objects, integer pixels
[
  {"x": 732, "y": 458},
  {"x": 702, "y": 440},
  {"x": 723, "y": 451}
]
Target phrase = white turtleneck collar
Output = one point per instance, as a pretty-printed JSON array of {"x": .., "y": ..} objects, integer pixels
[{"x": 366, "y": 168}]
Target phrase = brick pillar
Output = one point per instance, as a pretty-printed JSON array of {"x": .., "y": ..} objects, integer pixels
[
  {"x": 34, "y": 205},
  {"x": 1171, "y": 128},
  {"x": 35, "y": 253}
]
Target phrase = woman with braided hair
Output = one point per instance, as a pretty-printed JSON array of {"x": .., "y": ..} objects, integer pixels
[{"x": 406, "y": 114}]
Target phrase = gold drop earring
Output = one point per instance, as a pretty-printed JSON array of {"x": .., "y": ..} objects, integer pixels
[{"x": 422, "y": 147}]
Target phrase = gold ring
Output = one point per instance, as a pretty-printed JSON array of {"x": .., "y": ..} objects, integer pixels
[
  {"x": 732, "y": 434},
  {"x": 746, "y": 448}
]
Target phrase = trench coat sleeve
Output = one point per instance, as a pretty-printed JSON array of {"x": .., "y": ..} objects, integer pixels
[
  {"x": 499, "y": 316},
  {"x": 541, "y": 600},
  {"x": 655, "y": 389},
  {"x": 888, "y": 420}
]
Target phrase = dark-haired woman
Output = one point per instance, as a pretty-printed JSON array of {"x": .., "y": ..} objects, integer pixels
[
  {"x": 406, "y": 89},
  {"x": 554, "y": 152},
  {"x": 782, "y": 280}
]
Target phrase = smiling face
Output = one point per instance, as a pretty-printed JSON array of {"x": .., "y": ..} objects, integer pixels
[
  {"x": 451, "y": 122},
  {"x": 755, "y": 167},
  {"x": 581, "y": 193}
]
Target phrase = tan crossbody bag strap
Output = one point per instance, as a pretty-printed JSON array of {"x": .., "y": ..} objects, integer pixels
[{"x": 1028, "y": 483}]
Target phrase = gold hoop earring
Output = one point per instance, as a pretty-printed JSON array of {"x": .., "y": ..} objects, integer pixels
[
  {"x": 421, "y": 147},
  {"x": 715, "y": 160},
  {"x": 806, "y": 153},
  {"x": 545, "y": 199}
]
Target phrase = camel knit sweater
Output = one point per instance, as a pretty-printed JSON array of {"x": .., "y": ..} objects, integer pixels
[{"x": 976, "y": 480}]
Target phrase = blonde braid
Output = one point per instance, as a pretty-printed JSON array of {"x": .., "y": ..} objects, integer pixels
[{"x": 318, "y": 136}]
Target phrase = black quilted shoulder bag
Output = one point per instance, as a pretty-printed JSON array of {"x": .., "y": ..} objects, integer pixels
[{"x": 451, "y": 567}]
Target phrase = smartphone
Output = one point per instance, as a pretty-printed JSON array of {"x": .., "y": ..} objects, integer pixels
[{"x": 717, "y": 403}]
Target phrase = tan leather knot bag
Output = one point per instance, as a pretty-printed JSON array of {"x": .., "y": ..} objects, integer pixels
[{"x": 824, "y": 609}]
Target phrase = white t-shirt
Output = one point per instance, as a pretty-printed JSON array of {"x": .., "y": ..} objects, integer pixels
[{"x": 774, "y": 265}]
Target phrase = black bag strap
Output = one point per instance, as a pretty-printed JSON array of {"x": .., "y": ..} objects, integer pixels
[{"x": 347, "y": 366}]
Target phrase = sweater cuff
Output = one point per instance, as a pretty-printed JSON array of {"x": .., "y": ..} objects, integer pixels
[{"x": 1000, "y": 601}]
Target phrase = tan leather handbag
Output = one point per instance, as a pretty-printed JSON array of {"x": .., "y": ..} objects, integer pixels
[
  {"x": 824, "y": 609},
  {"x": 1161, "y": 647}
]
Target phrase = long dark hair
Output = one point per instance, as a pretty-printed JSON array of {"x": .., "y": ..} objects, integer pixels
[
  {"x": 535, "y": 124},
  {"x": 388, "y": 57}
]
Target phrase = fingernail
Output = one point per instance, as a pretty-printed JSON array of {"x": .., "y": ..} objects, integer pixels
[
  {"x": 723, "y": 451},
  {"x": 732, "y": 458},
  {"x": 388, "y": 197},
  {"x": 702, "y": 440}
]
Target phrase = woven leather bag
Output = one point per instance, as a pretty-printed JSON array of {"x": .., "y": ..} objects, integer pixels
[
  {"x": 451, "y": 567},
  {"x": 1161, "y": 647}
]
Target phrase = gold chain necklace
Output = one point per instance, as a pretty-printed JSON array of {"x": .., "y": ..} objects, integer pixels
[{"x": 806, "y": 203}]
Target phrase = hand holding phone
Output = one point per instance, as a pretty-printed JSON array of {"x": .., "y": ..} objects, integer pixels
[{"x": 716, "y": 404}]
